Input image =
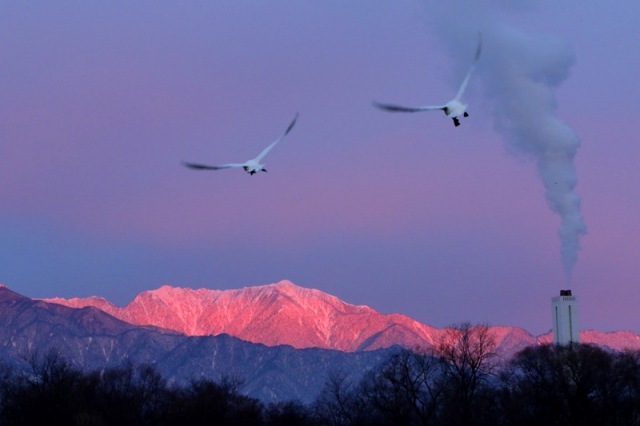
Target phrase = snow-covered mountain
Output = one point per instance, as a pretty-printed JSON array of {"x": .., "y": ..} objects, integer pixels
[
  {"x": 286, "y": 314},
  {"x": 273, "y": 314},
  {"x": 87, "y": 335},
  {"x": 92, "y": 340}
]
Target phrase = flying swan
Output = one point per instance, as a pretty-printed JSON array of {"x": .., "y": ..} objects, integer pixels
[
  {"x": 252, "y": 166},
  {"x": 454, "y": 108}
]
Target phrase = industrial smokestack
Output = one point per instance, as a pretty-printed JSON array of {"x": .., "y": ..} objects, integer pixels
[{"x": 566, "y": 318}]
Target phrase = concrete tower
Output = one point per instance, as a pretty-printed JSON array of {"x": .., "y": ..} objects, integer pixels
[{"x": 566, "y": 320}]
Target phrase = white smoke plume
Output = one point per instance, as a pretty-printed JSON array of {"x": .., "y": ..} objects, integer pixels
[{"x": 519, "y": 72}]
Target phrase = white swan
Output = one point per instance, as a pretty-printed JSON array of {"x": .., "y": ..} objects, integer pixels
[
  {"x": 252, "y": 166},
  {"x": 454, "y": 108}
]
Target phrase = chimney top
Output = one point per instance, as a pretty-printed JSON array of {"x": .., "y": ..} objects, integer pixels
[{"x": 565, "y": 292}]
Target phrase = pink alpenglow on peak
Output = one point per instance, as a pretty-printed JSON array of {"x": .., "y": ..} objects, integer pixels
[
  {"x": 96, "y": 302},
  {"x": 286, "y": 314},
  {"x": 274, "y": 314}
]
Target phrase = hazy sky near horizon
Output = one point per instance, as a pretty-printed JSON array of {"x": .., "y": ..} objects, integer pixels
[{"x": 100, "y": 102}]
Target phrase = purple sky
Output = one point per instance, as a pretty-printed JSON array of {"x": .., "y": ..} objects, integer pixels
[{"x": 99, "y": 103}]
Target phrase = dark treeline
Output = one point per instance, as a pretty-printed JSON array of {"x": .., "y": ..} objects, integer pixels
[
  {"x": 462, "y": 382},
  {"x": 459, "y": 382}
]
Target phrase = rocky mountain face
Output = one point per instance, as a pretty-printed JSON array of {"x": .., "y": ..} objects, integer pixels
[
  {"x": 282, "y": 340},
  {"x": 93, "y": 340},
  {"x": 274, "y": 314},
  {"x": 286, "y": 314}
]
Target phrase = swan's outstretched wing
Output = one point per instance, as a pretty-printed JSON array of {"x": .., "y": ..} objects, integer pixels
[
  {"x": 206, "y": 167},
  {"x": 463, "y": 86},
  {"x": 398, "y": 108},
  {"x": 274, "y": 143}
]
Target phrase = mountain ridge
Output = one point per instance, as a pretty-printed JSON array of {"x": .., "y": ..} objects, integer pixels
[
  {"x": 259, "y": 314},
  {"x": 93, "y": 341},
  {"x": 283, "y": 313}
]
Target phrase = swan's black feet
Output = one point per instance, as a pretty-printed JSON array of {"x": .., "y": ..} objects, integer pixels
[
  {"x": 456, "y": 122},
  {"x": 466, "y": 114}
]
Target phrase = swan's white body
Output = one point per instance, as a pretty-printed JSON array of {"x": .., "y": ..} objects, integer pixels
[
  {"x": 252, "y": 166},
  {"x": 452, "y": 109}
]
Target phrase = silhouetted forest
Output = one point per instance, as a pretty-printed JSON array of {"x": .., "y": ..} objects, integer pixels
[{"x": 460, "y": 381}]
